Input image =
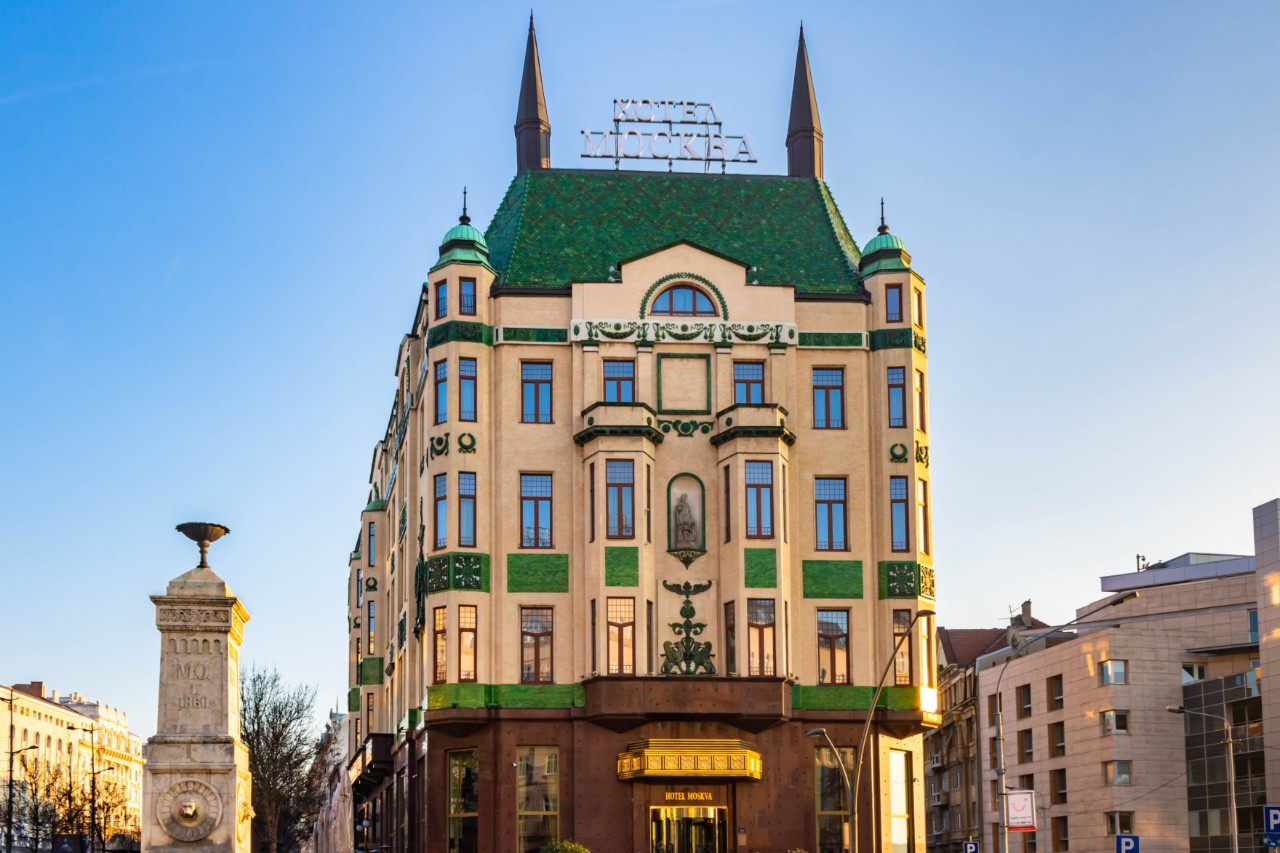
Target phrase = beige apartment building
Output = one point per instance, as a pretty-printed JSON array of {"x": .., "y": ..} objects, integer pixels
[
  {"x": 62, "y": 740},
  {"x": 951, "y": 750},
  {"x": 652, "y": 503},
  {"x": 1085, "y": 724}
]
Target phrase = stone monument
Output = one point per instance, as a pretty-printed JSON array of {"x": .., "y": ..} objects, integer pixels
[{"x": 196, "y": 783}]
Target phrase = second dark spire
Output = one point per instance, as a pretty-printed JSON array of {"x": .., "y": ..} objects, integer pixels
[
  {"x": 533, "y": 131},
  {"x": 804, "y": 130}
]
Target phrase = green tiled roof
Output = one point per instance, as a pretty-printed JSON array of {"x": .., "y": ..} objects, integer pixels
[{"x": 559, "y": 226}]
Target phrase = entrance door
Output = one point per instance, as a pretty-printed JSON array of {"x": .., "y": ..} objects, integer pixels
[{"x": 689, "y": 830}]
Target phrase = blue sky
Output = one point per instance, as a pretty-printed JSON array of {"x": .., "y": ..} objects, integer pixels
[{"x": 215, "y": 218}]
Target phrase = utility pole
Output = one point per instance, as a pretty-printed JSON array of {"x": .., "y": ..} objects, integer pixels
[
  {"x": 8, "y": 819},
  {"x": 93, "y": 783}
]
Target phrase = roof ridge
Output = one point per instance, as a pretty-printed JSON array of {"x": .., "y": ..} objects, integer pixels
[
  {"x": 515, "y": 238},
  {"x": 841, "y": 229},
  {"x": 517, "y": 186},
  {"x": 719, "y": 176}
]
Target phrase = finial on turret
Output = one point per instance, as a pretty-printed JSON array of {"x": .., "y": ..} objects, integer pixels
[
  {"x": 883, "y": 229},
  {"x": 466, "y": 220}
]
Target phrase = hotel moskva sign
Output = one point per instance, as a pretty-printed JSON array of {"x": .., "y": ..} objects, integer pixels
[{"x": 645, "y": 129}]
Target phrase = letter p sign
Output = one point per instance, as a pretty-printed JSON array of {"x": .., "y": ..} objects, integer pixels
[
  {"x": 1271, "y": 818},
  {"x": 1126, "y": 844},
  {"x": 969, "y": 847}
]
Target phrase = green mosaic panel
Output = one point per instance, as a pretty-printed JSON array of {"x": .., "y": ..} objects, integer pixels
[
  {"x": 831, "y": 339},
  {"x": 455, "y": 570},
  {"x": 505, "y": 696},
  {"x": 537, "y": 573},
  {"x": 892, "y": 339},
  {"x": 371, "y": 671},
  {"x": 760, "y": 568},
  {"x": 899, "y": 579},
  {"x": 353, "y": 700},
  {"x": 469, "y": 571},
  {"x": 410, "y": 720},
  {"x": 535, "y": 336},
  {"x": 457, "y": 696},
  {"x": 538, "y": 695},
  {"x": 460, "y": 330},
  {"x": 851, "y": 697},
  {"x": 621, "y": 566},
  {"x": 832, "y": 578}
]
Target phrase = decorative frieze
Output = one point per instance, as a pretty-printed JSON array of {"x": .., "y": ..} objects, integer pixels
[
  {"x": 833, "y": 340},
  {"x": 193, "y": 616},
  {"x": 521, "y": 335},
  {"x": 701, "y": 331}
]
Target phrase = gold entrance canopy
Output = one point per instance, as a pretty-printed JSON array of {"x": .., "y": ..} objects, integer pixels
[{"x": 702, "y": 758}]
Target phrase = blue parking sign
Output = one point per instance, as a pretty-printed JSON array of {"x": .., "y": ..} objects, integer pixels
[
  {"x": 1126, "y": 844},
  {"x": 968, "y": 847},
  {"x": 1271, "y": 826}
]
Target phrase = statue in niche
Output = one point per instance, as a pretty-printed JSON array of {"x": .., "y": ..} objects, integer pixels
[{"x": 686, "y": 526}]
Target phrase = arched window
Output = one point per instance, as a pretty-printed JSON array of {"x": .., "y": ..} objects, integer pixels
[{"x": 682, "y": 300}]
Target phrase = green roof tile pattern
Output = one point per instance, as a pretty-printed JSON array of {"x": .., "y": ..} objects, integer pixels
[{"x": 561, "y": 226}]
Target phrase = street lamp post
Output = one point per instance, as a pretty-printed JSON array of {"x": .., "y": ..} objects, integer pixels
[
  {"x": 1001, "y": 790},
  {"x": 866, "y": 729},
  {"x": 93, "y": 782},
  {"x": 1231, "y": 765},
  {"x": 844, "y": 773},
  {"x": 8, "y": 819}
]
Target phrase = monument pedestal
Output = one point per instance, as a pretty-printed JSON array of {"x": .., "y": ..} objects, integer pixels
[{"x": 196, "y": 788}]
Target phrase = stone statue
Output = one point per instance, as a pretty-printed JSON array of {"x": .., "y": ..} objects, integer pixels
[{"x": 686, "y": 525}]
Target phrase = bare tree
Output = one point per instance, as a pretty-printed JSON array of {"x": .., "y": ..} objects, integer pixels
[
  {"x": 117, "y": 828},
  {"x": 36, "y": 814},
  {"x": 277, "y": 724}
]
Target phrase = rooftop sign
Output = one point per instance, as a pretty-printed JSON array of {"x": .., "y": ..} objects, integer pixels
[{"x": 645, "y": 129}]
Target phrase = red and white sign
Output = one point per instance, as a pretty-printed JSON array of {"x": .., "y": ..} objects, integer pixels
[{"x": 1020, "y": 811}]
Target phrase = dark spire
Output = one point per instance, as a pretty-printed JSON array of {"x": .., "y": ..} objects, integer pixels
[
  {"x": 533, "y": 131},
  {"x": 883, "y": 229},
  {"x": 466, "y": 220},
  {"x": 804, "y": 131}
]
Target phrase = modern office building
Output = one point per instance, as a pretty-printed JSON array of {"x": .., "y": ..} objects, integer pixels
[
  {"x": 651, "y": 505},
  {"x": 1085, "y": 721}
]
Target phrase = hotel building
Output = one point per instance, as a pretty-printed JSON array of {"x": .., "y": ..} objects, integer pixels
[{"x": 651, "y": 505}]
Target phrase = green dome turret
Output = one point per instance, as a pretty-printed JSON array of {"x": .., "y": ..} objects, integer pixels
[
  {"x": 464, "y": 232},
  {"x": 463, "y": 243},
  {"x": 882, "y": 240},
  {"x": 884, "y": 251}
]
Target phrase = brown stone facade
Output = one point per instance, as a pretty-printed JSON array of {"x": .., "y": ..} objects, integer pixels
[{"x": 597, "y": 808}]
